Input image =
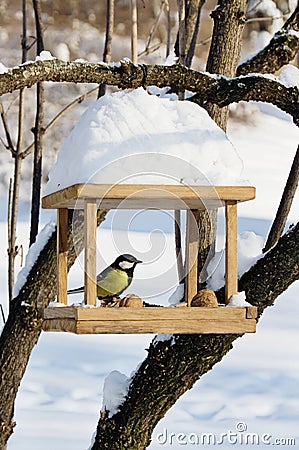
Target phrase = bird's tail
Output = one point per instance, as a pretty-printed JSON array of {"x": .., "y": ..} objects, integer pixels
[{"x": 76, "y": 291}]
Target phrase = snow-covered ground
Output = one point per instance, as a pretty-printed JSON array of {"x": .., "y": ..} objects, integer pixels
[{"x": 253, "y": 392}]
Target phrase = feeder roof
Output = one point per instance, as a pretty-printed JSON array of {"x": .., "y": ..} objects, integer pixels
[{"x": 131, "y": 137}]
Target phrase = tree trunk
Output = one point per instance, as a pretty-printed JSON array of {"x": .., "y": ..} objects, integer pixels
[
  {"x": 229, "y": 20},
  {"x": 173, "y": 366}
]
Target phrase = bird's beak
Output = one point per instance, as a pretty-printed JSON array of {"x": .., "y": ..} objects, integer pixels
[{"x": 139, "y": 261}]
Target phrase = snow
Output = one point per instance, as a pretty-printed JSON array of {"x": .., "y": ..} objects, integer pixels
[
  {"x": 177, "y": 295},
  {"x": 250, "y": 246},
  {"x": 238, "y": 299},
  {"x": 45, "y": 55},
  {"x": 116, "y": 387},
  {"x": 164, "y": 337},
  {"x": 134, "y": 137},
  {"x": 3, "y": 69},
  {"x": 289, "y": 76},
  {"x": 32, "y": 255}
]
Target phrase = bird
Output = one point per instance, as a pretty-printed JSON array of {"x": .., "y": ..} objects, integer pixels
[{"x": 113, "y": 280}]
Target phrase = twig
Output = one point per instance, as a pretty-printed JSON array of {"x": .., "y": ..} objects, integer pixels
[
  {"x": 78, "y": 100},
  {"x": 182, "y": 39},
  {"x": 254, "y": 7},
  {"x": 14, "y": 200},
  {"x": 285, "y": 204},
  {"x": 191, "y": 49},
  {"x": 182, "y": 33},
  {"x": 149, "y": 50},
  {"x": 265, "y": 18},
  {"x": 204, "y": 41},
  {"x": 108, "y": 40},
  {"x": 153, "y": 29},
  {"x": 134, "y": 55},
  {"x": 168, "y": 28},
  {"x": 38, "y": 131},
  {"x": 9, "y": 145}
]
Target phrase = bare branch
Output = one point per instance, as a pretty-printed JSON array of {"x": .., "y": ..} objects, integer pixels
[
  {"x": 285, "y": 204},
  {"x": 38, "y": 131},
  {"x": 282, "y": 49},
  {"x": 134, "y": 51},
  {"x": 9, "y": 145},
  {"x": 153, "y": 30},
  {"x": 55, "y": 119},
  {"x": 108, "y": 40},
  {"x": 168, "y": 28}
]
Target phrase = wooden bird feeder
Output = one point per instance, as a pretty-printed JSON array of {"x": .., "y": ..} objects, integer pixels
[{"x": 99, "y": 320}]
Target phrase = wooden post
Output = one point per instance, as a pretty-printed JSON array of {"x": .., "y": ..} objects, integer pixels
[
  {"x": 62, "y": 226},
  {"x": 231, "y": 250},
  {"x": 191, "y": 280},
  {"x": 90, "y": 245}
]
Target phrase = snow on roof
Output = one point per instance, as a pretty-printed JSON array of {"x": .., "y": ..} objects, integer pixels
[{"x": 133, "y": 137}]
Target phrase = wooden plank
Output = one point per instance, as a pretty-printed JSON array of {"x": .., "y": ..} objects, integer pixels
[
  {"x": 150, "y": 313},
  {"x": 231, "y": 251},
  {"x": 60, "y": 312},
  {"x": 160, "y": 326},
  {"x": 62, "y": 227},
  {"x": 251, "y": 312},
  {"x": 150, "y": 320},
  {"x": 148, "y": 196},
  {"x": 90, "y": 246},
  {"x": 67, "y": 325},
  {"x": 192, "y": 237}
]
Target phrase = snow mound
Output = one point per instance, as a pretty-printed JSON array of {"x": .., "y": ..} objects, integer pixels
[
  {"x": 133, "y": 137},
  {"x": 116, "y": 387},
  {"x": 238, "y": 299},
  {"x": 250, "y": 247},
  {"x": 32, "y": 255}
]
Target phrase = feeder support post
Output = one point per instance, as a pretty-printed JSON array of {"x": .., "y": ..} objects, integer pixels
[
  {"x": 90, "y": 246},
  {"x": 191, "y": 280},
  {"x": 62, "y": 227},
  {"x": 231, "y": 250}
]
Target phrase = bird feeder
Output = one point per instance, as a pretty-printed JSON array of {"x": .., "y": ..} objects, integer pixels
[{"x": 98, "y": 320}]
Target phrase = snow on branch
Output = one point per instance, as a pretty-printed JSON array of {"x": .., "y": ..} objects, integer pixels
[{"x": 209, "y": 89}]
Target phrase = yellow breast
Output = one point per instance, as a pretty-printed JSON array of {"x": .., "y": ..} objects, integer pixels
[{"x": 113, "y": 283}]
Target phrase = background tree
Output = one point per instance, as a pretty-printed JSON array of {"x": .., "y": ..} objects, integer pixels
[{"x": 154, "y": 390}]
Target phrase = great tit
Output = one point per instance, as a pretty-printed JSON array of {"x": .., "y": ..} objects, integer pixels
[{"x": 115, "y": 278}]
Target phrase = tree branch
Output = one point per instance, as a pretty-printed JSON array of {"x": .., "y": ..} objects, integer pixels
[
  {"x": 282, "y": 49},
  {"x": 23, "y": 326},
  {"x": 38, "y": 131},
  {"x": 217, "y": 90},
  {"x": 285, "y": 204},
  {"x": 171, "y": 368}
]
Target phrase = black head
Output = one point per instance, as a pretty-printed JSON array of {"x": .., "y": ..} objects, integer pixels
[{"x": 126, "y": 262}]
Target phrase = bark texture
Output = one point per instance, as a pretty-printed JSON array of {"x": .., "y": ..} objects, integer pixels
[
  {"x": 171, "y": 368},
  {"x": 218, "y": 90},
  {"x": 229, "y": 20},
  {"x": 23, "y": 327}
]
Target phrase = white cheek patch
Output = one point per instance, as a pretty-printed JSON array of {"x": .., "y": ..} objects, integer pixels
[{"x": 125, "y": 265}]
